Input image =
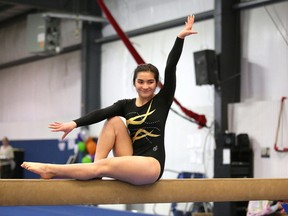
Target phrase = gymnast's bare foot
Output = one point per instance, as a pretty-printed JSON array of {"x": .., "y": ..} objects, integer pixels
[{"x": 38, "y": 168}]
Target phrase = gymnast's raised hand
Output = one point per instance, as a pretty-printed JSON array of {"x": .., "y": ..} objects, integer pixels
[
  {"x": 187, "y": 30},
  {"x": 66, "y": 127}
]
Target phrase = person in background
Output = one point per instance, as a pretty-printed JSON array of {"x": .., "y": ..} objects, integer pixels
[
  {"x": 264, "y": 207},
  {"x": 6, "y": 159}
]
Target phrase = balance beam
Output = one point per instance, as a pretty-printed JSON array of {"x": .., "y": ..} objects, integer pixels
[{"x": 28, "y": 192}]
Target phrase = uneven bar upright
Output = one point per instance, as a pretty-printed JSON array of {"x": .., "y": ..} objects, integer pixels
[{"x": 28, "y": 192}]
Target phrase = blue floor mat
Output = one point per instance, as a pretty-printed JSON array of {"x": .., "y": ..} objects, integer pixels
[{"x": 62, "y": 211}]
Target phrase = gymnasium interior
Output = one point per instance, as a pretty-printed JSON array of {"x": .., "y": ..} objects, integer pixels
[{"x": 226, "y": 129}]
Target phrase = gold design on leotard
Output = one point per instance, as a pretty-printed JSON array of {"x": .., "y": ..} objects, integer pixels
[
  {"x": 142, "y": 117},
  {"x": 141, "y": 133},
  {"x": 144, "y": 134}
]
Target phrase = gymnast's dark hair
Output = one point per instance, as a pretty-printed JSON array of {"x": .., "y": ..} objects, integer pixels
[{"x": 146, "y": 67}]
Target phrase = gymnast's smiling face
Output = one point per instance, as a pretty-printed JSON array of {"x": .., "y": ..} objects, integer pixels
[{"x": 145, "y": 84}]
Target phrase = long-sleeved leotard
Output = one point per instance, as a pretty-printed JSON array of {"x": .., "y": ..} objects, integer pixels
[{"x": 146, "y": 124}]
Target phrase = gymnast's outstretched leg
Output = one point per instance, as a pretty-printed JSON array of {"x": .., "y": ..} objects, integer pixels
[
  {"x": 136, "y": 170},
  {"x": 124, "y": 167}
]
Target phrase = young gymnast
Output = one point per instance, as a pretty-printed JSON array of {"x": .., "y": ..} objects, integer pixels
[{"x": 138, "y": 145}]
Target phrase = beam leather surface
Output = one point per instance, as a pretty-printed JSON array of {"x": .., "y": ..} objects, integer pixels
[{"x": 33, "y": 192}]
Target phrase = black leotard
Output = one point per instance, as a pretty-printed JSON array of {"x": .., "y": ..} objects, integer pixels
[{"x": 146, "y": 124}]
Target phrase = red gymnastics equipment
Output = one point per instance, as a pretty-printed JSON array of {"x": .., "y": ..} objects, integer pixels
[
  {"x": 276, "y": 147},
  {"x": 200, "y": 119}
]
